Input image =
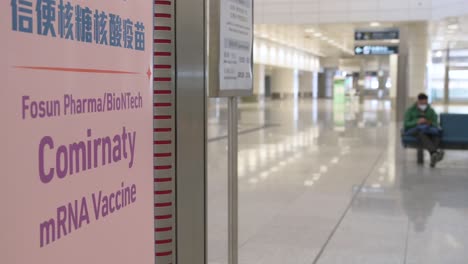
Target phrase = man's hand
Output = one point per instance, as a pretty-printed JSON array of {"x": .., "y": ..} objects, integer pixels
[{"x": 422, "y": 121}]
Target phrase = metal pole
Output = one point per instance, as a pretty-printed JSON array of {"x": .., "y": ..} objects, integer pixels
[
  {"x": 447, "y": 77},
  {"x": 232, "y": 182}
]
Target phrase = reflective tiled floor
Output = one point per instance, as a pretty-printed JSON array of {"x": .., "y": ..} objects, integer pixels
[{"x": 330, "y": 184}]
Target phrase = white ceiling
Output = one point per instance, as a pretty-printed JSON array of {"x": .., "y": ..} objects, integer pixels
[
  {"x": 308, "y": 12},
  {"x": 326, "y": 40},
  {"x": 337, "y": 40}
]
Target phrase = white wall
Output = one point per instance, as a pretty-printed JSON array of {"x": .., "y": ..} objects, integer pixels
[
  {"x": 306, "y": 82},
  {"x": 275, "y": 54},
  {"x": 259, "y": 79},
  {"x": 285, "y": 81},
  {"x": 370, "y": 63}
]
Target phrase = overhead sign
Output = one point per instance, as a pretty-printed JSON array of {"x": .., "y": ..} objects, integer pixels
[
  {"x": 76, "y": 111},
  {"x": 375, "y": 50},
  {"x": 231, "y": 48},
  {"x": 366, "y": 35}
]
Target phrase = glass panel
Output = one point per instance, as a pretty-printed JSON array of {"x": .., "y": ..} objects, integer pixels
[
  {"x": 371, "y": 82},
  {"x": 458, "y": 78},
  {"x": 458, "y": 85},
  {"x": 436, "y": 82}
]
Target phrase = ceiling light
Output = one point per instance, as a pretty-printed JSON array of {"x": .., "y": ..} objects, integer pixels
[
  {"x": 375, "y": 24},
  {"x": 310, "y": 30},
  {"x": 318, "y": 34}
]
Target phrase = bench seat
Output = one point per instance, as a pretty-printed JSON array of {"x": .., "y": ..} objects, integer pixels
[{"x": 454, "y": 134}]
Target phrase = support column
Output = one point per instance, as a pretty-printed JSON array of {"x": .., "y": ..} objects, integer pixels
[
  {"x": 322, "y": 85},
  {"x": 329, "y": 82},
  {"x": 402, "y": 75},
  {"x": 284, "y": 83},
  {"x": 259, "y": 81},
  {"x": 394, "y": 77},
  {"x": 418, "y": 45},
  {"x": 412, "y": 61},
  {"x": 306, "y": 84},
  {"x": 315, "y": 85}
]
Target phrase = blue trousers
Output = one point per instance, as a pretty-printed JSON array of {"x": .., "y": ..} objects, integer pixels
[
  {"x": 428, "y": 136},
  {"x": 426, "y": 129}
]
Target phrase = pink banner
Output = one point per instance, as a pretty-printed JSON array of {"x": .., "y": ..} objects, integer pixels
[{"x": 76, "y": 113}]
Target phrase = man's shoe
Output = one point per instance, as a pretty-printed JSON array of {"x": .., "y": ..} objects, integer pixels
[
  {"x": 441, "y": 155},
  {"x": 434, "y": 159}
]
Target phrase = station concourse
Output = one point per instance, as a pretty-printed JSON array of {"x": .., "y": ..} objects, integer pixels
[{"x": 234, "y": 132}]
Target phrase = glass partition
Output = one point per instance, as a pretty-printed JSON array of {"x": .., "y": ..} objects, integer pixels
[{"x": 458, "y": 76}]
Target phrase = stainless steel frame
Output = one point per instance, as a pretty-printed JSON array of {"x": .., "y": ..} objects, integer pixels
[{"x": 191, "y": 131}]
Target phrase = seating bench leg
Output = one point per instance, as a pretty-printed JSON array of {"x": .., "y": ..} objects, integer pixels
[{"x": 420, "y": 154}]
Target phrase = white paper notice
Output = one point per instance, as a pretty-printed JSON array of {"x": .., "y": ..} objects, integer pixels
[{"x": 235, "y": 69}]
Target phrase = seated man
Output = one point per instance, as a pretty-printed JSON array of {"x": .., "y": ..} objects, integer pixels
[{"x": 421, "y": 121}]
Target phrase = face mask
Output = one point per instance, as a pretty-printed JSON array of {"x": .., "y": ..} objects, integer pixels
[{"x": 422, "y": 107}]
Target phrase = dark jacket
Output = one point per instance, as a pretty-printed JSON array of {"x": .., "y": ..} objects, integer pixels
[{"x": 413, "y": 114}]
